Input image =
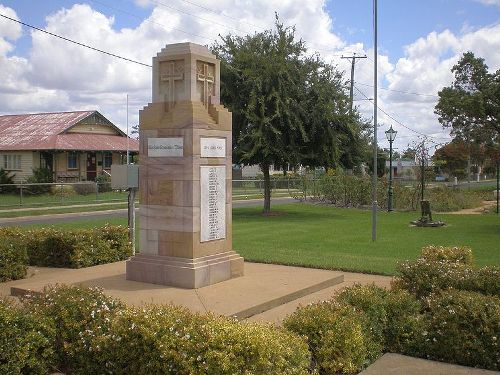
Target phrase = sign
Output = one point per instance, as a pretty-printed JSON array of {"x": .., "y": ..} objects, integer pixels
[
  {"x": 158, "y": 147},
  {"x": 213, "y": 203},
  {"x": 213, "y": 147}
]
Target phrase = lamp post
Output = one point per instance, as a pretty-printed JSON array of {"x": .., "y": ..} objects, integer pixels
[{"x": 391, "y": 136}]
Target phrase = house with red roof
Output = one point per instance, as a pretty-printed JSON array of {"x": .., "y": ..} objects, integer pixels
[{"x": 75, "y": 146}]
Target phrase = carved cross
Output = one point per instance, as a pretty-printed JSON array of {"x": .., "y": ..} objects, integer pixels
[
  {"x": 171, "y": 77},
  {"x": 207, "y": 79}
]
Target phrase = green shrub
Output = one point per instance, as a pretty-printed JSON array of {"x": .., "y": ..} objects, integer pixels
[
  {"x": 40, "y": 176},
  {"x": 26, "y": 343},
  {"x": 394, "y": 318},
  {"x": 336, "y": 336},
  {"x": 423, "y": 277},
  {"x": 13, "y": 258},
  {"x": 77, "y": 314},
  {"x": 85, "y": 188},
  {"x": 73, "y": 248},
  {"x": 463, "y": 328},
  {"x": 104, "y": 183},
  {"x": 7, "y": 179},
  {"x": 459, "y": 254},
  {"x": 172, "y": 340}
]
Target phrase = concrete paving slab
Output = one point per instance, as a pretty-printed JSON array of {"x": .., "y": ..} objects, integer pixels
[
  {"x": 263, "y": 287},
  {"x": 397, "y": 364}
]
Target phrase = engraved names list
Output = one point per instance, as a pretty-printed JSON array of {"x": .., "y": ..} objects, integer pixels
[{"x": 213, "y": 202}]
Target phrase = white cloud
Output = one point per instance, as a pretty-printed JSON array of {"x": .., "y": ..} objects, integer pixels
[{"x": 489, "y": 2}]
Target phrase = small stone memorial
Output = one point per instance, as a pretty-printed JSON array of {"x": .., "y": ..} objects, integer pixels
[{"x": 185, "y": 175}]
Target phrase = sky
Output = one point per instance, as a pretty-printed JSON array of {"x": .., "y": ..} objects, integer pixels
[{"x": 418, "y": 44}]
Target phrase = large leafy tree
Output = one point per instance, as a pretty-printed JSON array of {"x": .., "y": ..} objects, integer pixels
[
  {"x": 288, "y": 108},
  {"x": 470, "y": 107}
]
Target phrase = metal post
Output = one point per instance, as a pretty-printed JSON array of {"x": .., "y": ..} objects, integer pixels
[
  {"x": 375, "y": 145},
  {"x": 131, "y": 217},
  {"x": 498, "y": 183},
  {"x": 389, "y": 205}
]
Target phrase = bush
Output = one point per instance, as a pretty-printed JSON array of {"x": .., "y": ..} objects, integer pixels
[
  {"x": 50, "y": 247},
  {"x": 85, "y": 188},
  {"x": 423, "y": 277},
  {"x": 77, "y": 314},
  {"x": 64, "y": 191},
  {"x": 25, "y": 342},
  {"x": 463, "y": 328},
  {"x": 394, "y": 317},
  {"x": 172, "y": 340},
  {"x": 337, "y": 336},
  {"x": 13, "y": 256},
  {"x": 6, "y": 179},
  {"x": 104, "y": 183},
  {"x": 458, "y": 254},
  {"x": 40, "y": 176}
]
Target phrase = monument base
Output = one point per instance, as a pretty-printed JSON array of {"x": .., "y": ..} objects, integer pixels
[{"x": 185, "y": 272}]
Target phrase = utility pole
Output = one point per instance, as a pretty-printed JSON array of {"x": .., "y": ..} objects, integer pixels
[{"x": 353, "y": 63}]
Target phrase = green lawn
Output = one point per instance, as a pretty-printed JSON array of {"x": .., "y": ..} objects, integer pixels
[{"x": 334, "y": 238}]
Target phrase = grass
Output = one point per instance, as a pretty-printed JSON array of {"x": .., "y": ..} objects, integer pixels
[
  {"x": 62, "y": 210},
  {"x": 335, "y": 238}
]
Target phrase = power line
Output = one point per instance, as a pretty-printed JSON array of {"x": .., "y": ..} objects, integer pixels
[
  {"x": 397, "y": 121},
  {"x": 77, "y": 43},
  {"x": 150, "y": 20},
  {"x": 400, "y": 91}
]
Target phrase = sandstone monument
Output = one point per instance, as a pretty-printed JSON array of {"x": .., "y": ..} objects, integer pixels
[{"x": 185, "y": 175}]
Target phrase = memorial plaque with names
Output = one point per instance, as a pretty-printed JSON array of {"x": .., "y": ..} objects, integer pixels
[
  {"x": 213, "y": 147},
  {"x": 213, "y": 202},
  {"x": 158, "y": 147}
]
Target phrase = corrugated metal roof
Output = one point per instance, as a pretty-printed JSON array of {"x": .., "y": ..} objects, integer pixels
[{"x": 43, "y": 131}]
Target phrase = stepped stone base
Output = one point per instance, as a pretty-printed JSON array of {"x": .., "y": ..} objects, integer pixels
[{"x": 185, "y": 272}]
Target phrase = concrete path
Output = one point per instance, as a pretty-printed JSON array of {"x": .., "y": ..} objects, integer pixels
[
  {"x": 93, "y": 215},
  {"x": 397, "y": 364}
]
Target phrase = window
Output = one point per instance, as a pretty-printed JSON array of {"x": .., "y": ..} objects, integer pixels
[
  {"x": 72, "y": 160},
  {"x": 108, "y": 160},
  {"x": 11, "y": 162}
]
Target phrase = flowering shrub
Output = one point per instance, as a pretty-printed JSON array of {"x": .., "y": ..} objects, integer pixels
[
  {"x": 463, "y": 328},
  {"x": 459, "y": 254},
  {"x": 13, "y": 258},
  {"x": 26, "y": 343},
  {"x": 423, "y": 277},
  {"x": 72, "y": 248},
  {"x": 394, "y": 318},
  {"x": 337, "y": 336},
  {"x": 172, "y": 340},
  {"x": 77, "y": 315}
]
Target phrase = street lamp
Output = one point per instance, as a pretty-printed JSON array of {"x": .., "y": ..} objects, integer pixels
[{"x": 391, "y": 136}]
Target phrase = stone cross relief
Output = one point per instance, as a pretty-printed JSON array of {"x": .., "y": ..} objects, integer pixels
[
  {"x": 205, "y": 76},
  {"x": 170, "y": 77}
]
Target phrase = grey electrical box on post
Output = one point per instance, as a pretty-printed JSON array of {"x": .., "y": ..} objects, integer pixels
[{"x": 124, "y": 176}]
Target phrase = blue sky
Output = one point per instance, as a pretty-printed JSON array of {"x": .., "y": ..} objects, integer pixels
[{"x": 419, "y": 41}]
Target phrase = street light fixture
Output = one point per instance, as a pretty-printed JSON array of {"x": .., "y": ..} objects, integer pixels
[{"x": 391, "y": 136}]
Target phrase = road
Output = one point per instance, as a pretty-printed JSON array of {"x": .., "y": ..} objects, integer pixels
[{"x": 76, "y": 216}]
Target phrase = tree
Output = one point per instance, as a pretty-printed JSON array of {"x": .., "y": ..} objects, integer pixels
[
  {"x": 471, "y": 105},
  {"x": 287, "y": 108},
  {"x": 409, "y": 153}
]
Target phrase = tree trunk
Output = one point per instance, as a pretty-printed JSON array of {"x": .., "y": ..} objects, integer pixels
[{"x": 267, "y": 188}]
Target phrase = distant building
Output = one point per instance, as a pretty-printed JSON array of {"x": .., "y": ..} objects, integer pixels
[
  {"x": 404, "y": 168},
  {"x": 75, "y": 146}
]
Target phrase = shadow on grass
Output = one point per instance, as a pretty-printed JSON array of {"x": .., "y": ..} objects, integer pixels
[{"x": 287, "y": 213}]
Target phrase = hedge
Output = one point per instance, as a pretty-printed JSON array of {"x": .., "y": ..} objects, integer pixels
[
  {"x": 13, "y": 258},
  {"x": 95, "y": 334},
  {"x": 51, "y": 247},
  {"x": 26, "y": 342},
  {"x": 338, "y": 337},
  {"x": 463, "y": 328}
]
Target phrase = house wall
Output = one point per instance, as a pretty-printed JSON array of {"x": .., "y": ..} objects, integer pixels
[
  {"x": 93, "y": 128},
  {"x": 26, "y": 170}
]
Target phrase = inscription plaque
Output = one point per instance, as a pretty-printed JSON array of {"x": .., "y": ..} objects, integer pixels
[
  {"x": 213, "y": 203},
  {"x": 158, "y": 147},
  {"x": 213, "y": 147}
]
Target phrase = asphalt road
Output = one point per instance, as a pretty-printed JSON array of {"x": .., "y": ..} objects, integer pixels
[{"x": 77, "y": 216}]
